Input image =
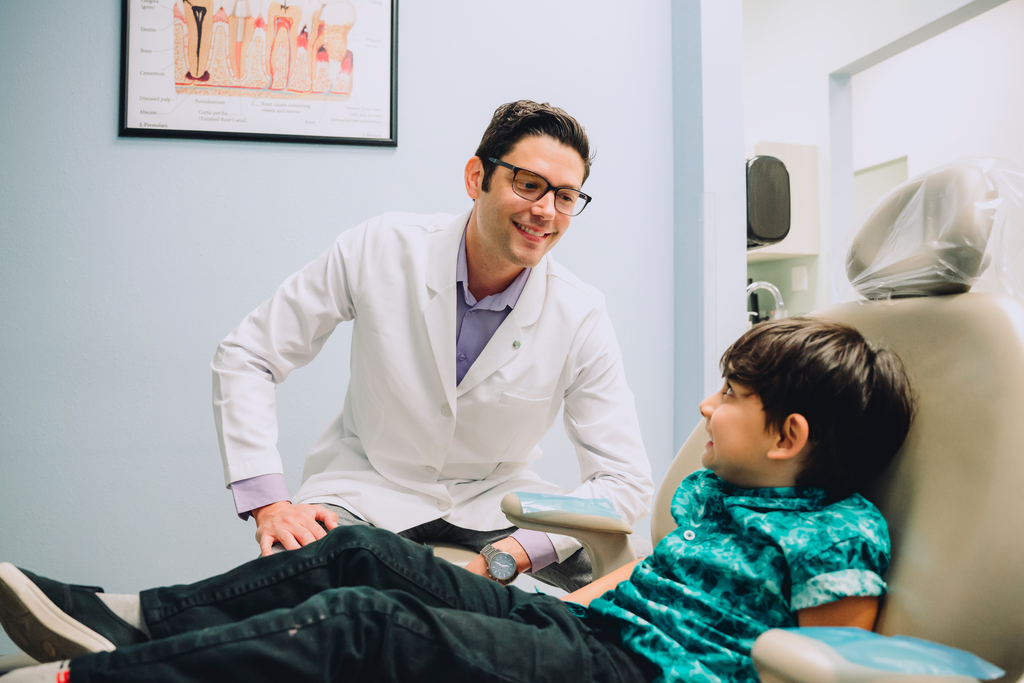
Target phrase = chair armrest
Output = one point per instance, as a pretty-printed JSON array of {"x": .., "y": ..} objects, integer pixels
[
  {"x": 849, "y": 655},
  {"x": 604, "y": 537}
]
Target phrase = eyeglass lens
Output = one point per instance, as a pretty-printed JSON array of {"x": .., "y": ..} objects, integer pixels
[{"x": 531, "y": 186}]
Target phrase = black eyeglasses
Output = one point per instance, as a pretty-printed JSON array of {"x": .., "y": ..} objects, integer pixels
[{"x": 529, "y": 185}]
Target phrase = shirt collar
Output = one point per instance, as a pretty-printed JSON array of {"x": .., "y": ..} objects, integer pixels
[
  {"x": 494, "y": 302},
  {"x": 785, "y": 498}
]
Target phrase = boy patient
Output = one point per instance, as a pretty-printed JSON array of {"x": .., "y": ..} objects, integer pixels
[{"x": 772, "y": 534}]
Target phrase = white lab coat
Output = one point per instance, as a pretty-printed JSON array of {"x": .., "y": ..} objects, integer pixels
[{"x": 410, "y": 446}]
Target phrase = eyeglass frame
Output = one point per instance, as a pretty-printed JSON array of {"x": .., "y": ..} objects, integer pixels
[{"x": 551, "y": 188}]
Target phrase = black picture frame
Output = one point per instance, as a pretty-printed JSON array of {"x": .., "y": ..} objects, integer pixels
[{"x": 161, "y": 98}]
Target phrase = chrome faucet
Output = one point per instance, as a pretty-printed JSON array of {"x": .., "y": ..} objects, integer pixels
[{"x": 780, "y": 308}]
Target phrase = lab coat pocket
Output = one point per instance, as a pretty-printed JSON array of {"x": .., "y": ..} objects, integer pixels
[
  {"x": 490, "y": 426},
  {"x": 508, "y": 399}
]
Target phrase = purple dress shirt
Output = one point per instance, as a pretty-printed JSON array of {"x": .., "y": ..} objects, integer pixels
[
  {"x": 475, "y": 324},
  {"x": 477, "y": 321}
]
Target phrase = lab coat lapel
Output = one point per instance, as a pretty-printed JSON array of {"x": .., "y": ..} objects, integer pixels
[
  {"x": 439, "y": 313},
  {"x": 508, "y": 341}
]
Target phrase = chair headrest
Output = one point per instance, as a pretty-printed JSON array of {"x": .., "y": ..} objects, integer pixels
[{"x": 927, "y": 237}]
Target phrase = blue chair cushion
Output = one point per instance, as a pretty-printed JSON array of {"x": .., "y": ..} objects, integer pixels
[{"x": 901, "y": 654}]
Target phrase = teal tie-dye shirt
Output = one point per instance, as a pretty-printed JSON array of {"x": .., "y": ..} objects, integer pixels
[{"x": 742, "y": 561}]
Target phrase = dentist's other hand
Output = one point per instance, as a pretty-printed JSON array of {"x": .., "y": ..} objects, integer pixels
[{"x": 293, "y": 526}]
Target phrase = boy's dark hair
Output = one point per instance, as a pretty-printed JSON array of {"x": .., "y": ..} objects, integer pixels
[
  {"x": 857, "y": 399},
  {"x": 516, "y": 120}
]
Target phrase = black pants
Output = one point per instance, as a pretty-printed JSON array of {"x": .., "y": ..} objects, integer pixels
[
  {"x": 571, "y": 574},
  {"x": 361, "y": 604}
]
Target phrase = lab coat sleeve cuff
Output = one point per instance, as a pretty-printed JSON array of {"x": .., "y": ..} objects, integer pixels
[
  {"x": 565, "y": 546},
  {"x": 256, "y": 492}
]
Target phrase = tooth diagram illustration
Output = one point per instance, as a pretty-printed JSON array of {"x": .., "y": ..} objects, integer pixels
[
  {"x": 283, "y": 31},
  {"x": 280, "y": 55},
  {"x": 332, "y": 23},
  {"x": 199, "y": 21},
  {"x": 241, "y": 27}
]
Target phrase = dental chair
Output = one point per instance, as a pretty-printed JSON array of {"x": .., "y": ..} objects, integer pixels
[{"x": 954, "y": 494}]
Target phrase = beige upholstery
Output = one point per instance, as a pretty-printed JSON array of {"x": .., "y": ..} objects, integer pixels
[
  {"x": 687, "y": 460},
  {"x": 954, "y": 498}
]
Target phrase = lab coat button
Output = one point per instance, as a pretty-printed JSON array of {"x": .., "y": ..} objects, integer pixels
[
  {"x": 689, "y": 535},
  {"x": 446, "y": 410},
  {"x": 431, "y": 470},
  {"x": 442, "y": 506}
]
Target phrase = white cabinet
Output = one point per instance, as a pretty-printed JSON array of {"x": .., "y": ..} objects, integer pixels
[{"x": 802, "y": 163}]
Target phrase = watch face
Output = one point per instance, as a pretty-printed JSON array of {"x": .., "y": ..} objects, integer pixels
[{"x": 502, "y": 566}]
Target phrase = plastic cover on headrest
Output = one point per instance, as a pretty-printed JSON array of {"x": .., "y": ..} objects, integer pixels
[{"x": 943, "y": 232}]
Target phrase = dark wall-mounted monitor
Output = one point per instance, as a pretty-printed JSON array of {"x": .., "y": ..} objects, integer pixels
[{"x": 768, "y": 214}]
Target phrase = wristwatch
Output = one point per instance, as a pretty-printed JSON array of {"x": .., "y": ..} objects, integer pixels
[{"x": 501, "y": 566}]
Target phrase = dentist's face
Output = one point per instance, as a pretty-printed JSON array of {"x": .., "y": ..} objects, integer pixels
[{"x": 516, "y": 231}]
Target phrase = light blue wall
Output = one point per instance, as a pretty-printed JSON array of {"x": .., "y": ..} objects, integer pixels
[
  {"x": 123, "y": 262},
  {"x": 710, "y": 197},
  {"x": 688, "y": 169}
]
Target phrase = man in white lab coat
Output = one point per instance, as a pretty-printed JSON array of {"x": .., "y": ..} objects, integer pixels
[{"x": 467, "y": 338}]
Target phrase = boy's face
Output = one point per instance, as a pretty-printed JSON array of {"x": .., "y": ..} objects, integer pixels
[{"x": 739, "y": 443}]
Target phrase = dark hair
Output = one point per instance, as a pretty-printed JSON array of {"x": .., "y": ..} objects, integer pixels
[
  {"x": 857, "y": 398},
  {"x": 516, "y": 120}
]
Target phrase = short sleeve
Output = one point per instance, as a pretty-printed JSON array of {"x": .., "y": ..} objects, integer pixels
[{"x": 852, "y": 567}]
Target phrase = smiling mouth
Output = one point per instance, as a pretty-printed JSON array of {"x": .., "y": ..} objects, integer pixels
[{"x": 530, "y": 231}]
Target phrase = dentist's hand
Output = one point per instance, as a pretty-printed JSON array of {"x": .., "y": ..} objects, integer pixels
[{"x": 293, "y": 526}]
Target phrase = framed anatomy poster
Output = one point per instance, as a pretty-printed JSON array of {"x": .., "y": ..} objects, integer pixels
[{"x": 321, "y": 71}]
